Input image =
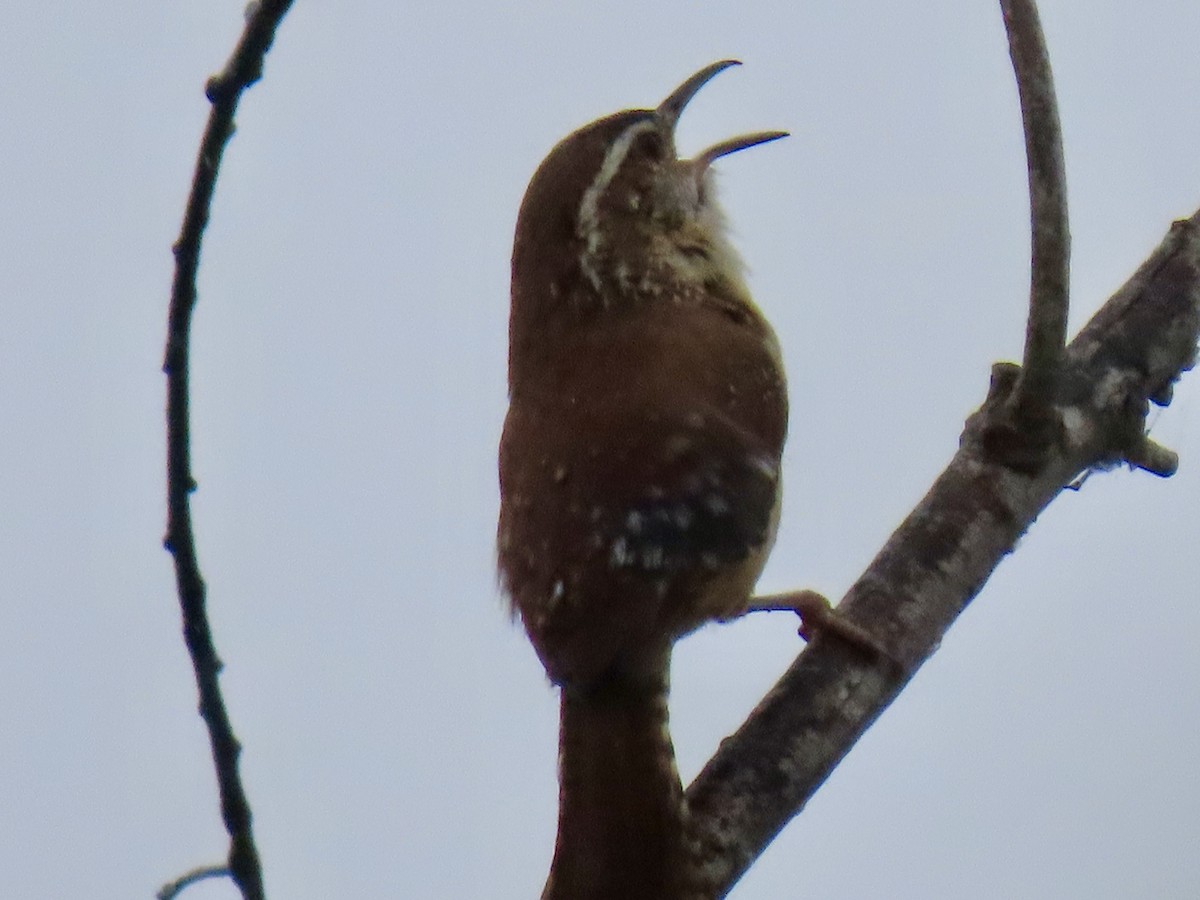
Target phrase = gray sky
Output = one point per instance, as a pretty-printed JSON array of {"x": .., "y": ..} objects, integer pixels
[{"x": 349, "y": 388}]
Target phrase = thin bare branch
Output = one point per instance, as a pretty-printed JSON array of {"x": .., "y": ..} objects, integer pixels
[
  {"x": 173, "y": 889},
  {"x": 223, "y": 90},
  {"x": 1046, "y": 330},
  {"x": 1128, "y": 356}
]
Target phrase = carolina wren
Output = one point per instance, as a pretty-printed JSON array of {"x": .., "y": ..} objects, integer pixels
[{"x": 639, "y": 466}]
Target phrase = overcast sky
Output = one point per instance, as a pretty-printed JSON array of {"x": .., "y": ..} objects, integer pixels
[{"x": 349, "y": 354}]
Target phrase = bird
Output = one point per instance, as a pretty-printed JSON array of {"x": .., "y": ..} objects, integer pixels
[{"x": 639, "y": 470}]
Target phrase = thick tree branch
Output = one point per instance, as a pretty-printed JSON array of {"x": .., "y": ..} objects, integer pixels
[
  {"x": 1129, "y": 355},
  {"x": 224, "y": 90},
  {"x": 1046, "y": 331}
]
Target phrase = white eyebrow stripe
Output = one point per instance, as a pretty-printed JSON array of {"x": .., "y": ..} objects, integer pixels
[{"x": 587, "y": 224}]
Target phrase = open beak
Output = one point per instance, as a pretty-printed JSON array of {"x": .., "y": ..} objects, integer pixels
[{"x": 671, "y": 108}]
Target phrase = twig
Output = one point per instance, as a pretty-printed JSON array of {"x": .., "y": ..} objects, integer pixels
[
  {"x": 1152, "y": 457},
  {"x": 224, "y": 90},
  {"x": 1133, "y": 349},
  {"x": 173, "y": 889},
  {"x": 1046, "y": 331}
]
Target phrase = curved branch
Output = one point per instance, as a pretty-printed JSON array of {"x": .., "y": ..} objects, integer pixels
[
  {"x": 173, "y": 889},
  {"x": 1128, "y": 356},
  {"x": 223, "y": 90},
  {"x": 1046, "y": 330}
]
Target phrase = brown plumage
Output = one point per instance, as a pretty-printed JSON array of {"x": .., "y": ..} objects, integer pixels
[{"x": 639, "y": 470}]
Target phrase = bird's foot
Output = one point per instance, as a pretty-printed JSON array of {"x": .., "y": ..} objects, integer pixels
[{"x": 817, "y": 615}]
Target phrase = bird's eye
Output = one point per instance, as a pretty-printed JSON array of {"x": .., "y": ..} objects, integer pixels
[{"x": 651, "y": 146}]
